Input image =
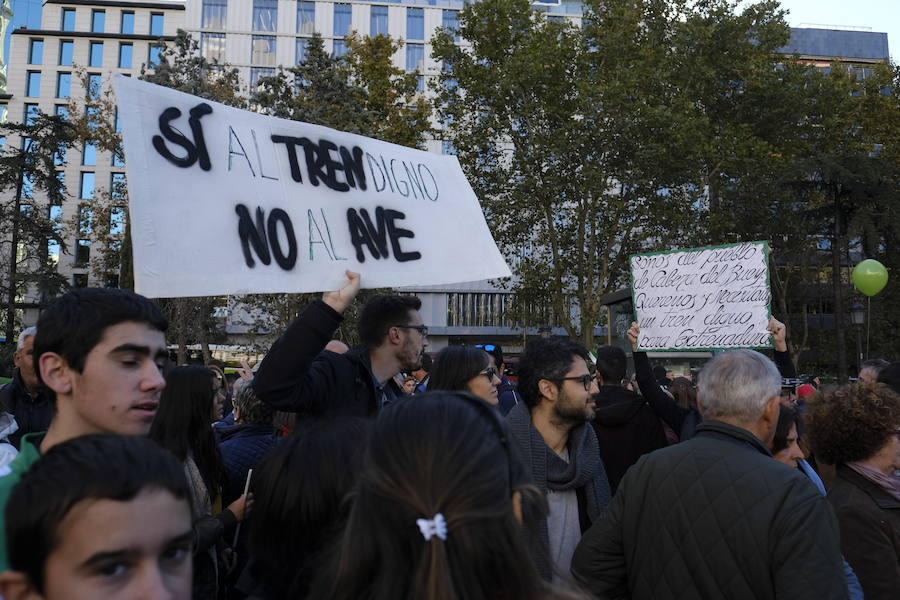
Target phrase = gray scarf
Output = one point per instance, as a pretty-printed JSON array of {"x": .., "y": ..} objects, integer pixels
[{"x": 550, "y": 472}]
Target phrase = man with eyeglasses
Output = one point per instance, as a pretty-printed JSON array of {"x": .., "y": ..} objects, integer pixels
[
  {"x": 559, "y": 448},
  {"x": 298, "y": 375}
]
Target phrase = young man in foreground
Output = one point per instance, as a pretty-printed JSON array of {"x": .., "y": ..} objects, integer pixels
[
  {"x": 101, "y": 351},
  {"x": 100, "y": 516}
]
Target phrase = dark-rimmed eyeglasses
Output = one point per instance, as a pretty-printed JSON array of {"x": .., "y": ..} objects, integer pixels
[
  {"x": 420, "y": 328},
  {"x": 490, "y": 373},
  {"x": 585, "y": 380}
]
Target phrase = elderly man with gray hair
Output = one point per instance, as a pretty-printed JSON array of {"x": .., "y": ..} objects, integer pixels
[
  {"x": 715, "y": 517},
  {"x": 24, "y": 397}
]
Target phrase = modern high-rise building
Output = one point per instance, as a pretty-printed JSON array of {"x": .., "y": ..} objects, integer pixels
[{"x": 103, "y": 37}]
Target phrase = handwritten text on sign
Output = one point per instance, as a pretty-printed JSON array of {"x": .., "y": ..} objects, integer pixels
[
  {"x": 707, "y": 298},
  {"x": 226, "y": 201}
]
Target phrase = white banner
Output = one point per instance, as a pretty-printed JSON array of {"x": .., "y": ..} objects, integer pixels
[
  {"x": 226, "y": 201},
  {"x": 703, "y": 298}
]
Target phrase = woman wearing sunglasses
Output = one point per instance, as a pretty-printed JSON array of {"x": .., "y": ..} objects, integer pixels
[{"x": 466, "y": 369}]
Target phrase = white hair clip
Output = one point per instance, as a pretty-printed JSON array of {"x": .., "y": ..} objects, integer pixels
[{"x": 433, "y": 527}]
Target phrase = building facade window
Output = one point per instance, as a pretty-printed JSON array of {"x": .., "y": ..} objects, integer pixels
[
  {"x": 117, "y": 220},
  {"x": 262, "y": 50},
  {"x": 65, "y": 53},
  {"x": 85, "y": 220},
  {"x": 117, "y": 186},
  {"x": 53, "y": 251},
  {"x": 306, "y": 17},
  {"x": 87, "y": 186},
  {"x": 343, "y": 16},
  {"x": 63, "y": 85},
  {"x": 98, "y": 21},
  {"x": 95, "y": 57},
  {"x": 35, "y": 52},
  {"x": 212, "y": 47},
  {"x": 68, "y": 19},
  {"x": 127, "y": 24},
  {"x": 378, "y": 21},
  {"x": 31, "y": 112},
  {"x": 415, "y": 62},
  {"x": 153, "y": 56},
  {"x": 265, "y": 15},
  {"x": 118, "y": 157},
  {"x": 89, "y": 155},
  {"x": 302, "y": 43},
  {"x": 215, "y": 13},
  {"x": 477, "y": 310},
  {"x": 157, "y": 24},
  {"x": 450, "y": 21},
  {"x": 33, "y": 84},
  {"x": 415, "y": 23},
  {"x": 82, "y": 256},
  {"x": 95, "y": 85},
  {"x": 257, "y": 73},
  {"x": 27, "y": 186},
  {"x": 339, "y": 48},
  {"x": 126, "y": 51}
]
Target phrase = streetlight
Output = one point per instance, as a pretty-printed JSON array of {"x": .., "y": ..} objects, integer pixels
[{"x": 858, "y": 317}]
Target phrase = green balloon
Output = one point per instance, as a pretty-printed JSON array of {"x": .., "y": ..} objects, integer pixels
[{"x": 869, "y": 277}]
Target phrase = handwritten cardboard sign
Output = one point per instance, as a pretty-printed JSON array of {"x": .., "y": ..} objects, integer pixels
[
  {"x": 702, "y": 298},
  {"x": 226, "y": 201}
]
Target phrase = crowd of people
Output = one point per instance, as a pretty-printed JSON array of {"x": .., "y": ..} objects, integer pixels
[{"x": 395, "y": 476}]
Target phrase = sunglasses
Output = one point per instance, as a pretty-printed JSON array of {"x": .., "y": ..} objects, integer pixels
[
  {"x": 585, "y": 380},
  {"x": 487, "y": 347},
  {"x": 490, "y": 373}
]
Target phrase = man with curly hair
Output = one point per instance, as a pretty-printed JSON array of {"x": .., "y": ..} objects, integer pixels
[{"x": 857, "y": 428}]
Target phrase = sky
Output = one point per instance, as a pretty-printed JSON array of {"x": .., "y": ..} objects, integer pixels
[{"x": 880, "y": 15}]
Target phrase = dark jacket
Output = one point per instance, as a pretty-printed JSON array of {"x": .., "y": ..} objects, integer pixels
[
  {"x": 683, "y": 421},
  {"x": 627, "y": 428},
  {"x": 33, "y": 414},
  {"x": 714, "y": 518},
  {"x": 507, "y": 396},
  {"x": 242, "y": 447},
  {"x": 298, "y": 376},
  {"x": 869, "y": 518}
]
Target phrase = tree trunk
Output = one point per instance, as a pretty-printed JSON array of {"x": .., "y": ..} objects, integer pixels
[
  {"x": 837, "y": 282},
  {"x": 13, "y": 262}
]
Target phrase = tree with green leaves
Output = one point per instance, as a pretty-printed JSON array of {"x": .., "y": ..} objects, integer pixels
[
  {"x": 361, "y": 92},
  {"x": 587, "y": 144},
  {"x": 29, "y": 185}
]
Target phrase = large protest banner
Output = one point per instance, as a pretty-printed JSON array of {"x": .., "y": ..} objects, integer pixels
[
  {"x": 226, "y": 201},
  {"x": 702, "y": 298}
]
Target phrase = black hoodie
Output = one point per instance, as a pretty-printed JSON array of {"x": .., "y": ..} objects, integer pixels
[{"x": 627, "y": 428}]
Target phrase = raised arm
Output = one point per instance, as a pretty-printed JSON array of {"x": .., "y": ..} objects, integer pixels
[
  {"x": 662, "y": 404},
  {"x": 289, "y": 377},
  {"x": 781, "y": 356}
]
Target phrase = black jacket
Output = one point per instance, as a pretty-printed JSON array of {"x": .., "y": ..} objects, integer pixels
[
  {"x": 32, "y": 414},
  {"x": 869, "y": 518},
  {"x": 298, "y": 376},
  {"x": 507, "y": 396},
  {"x": 242, "y": 447},
  {"x": 627, "y": 428},
  {"x": 714, "y": 518}
]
